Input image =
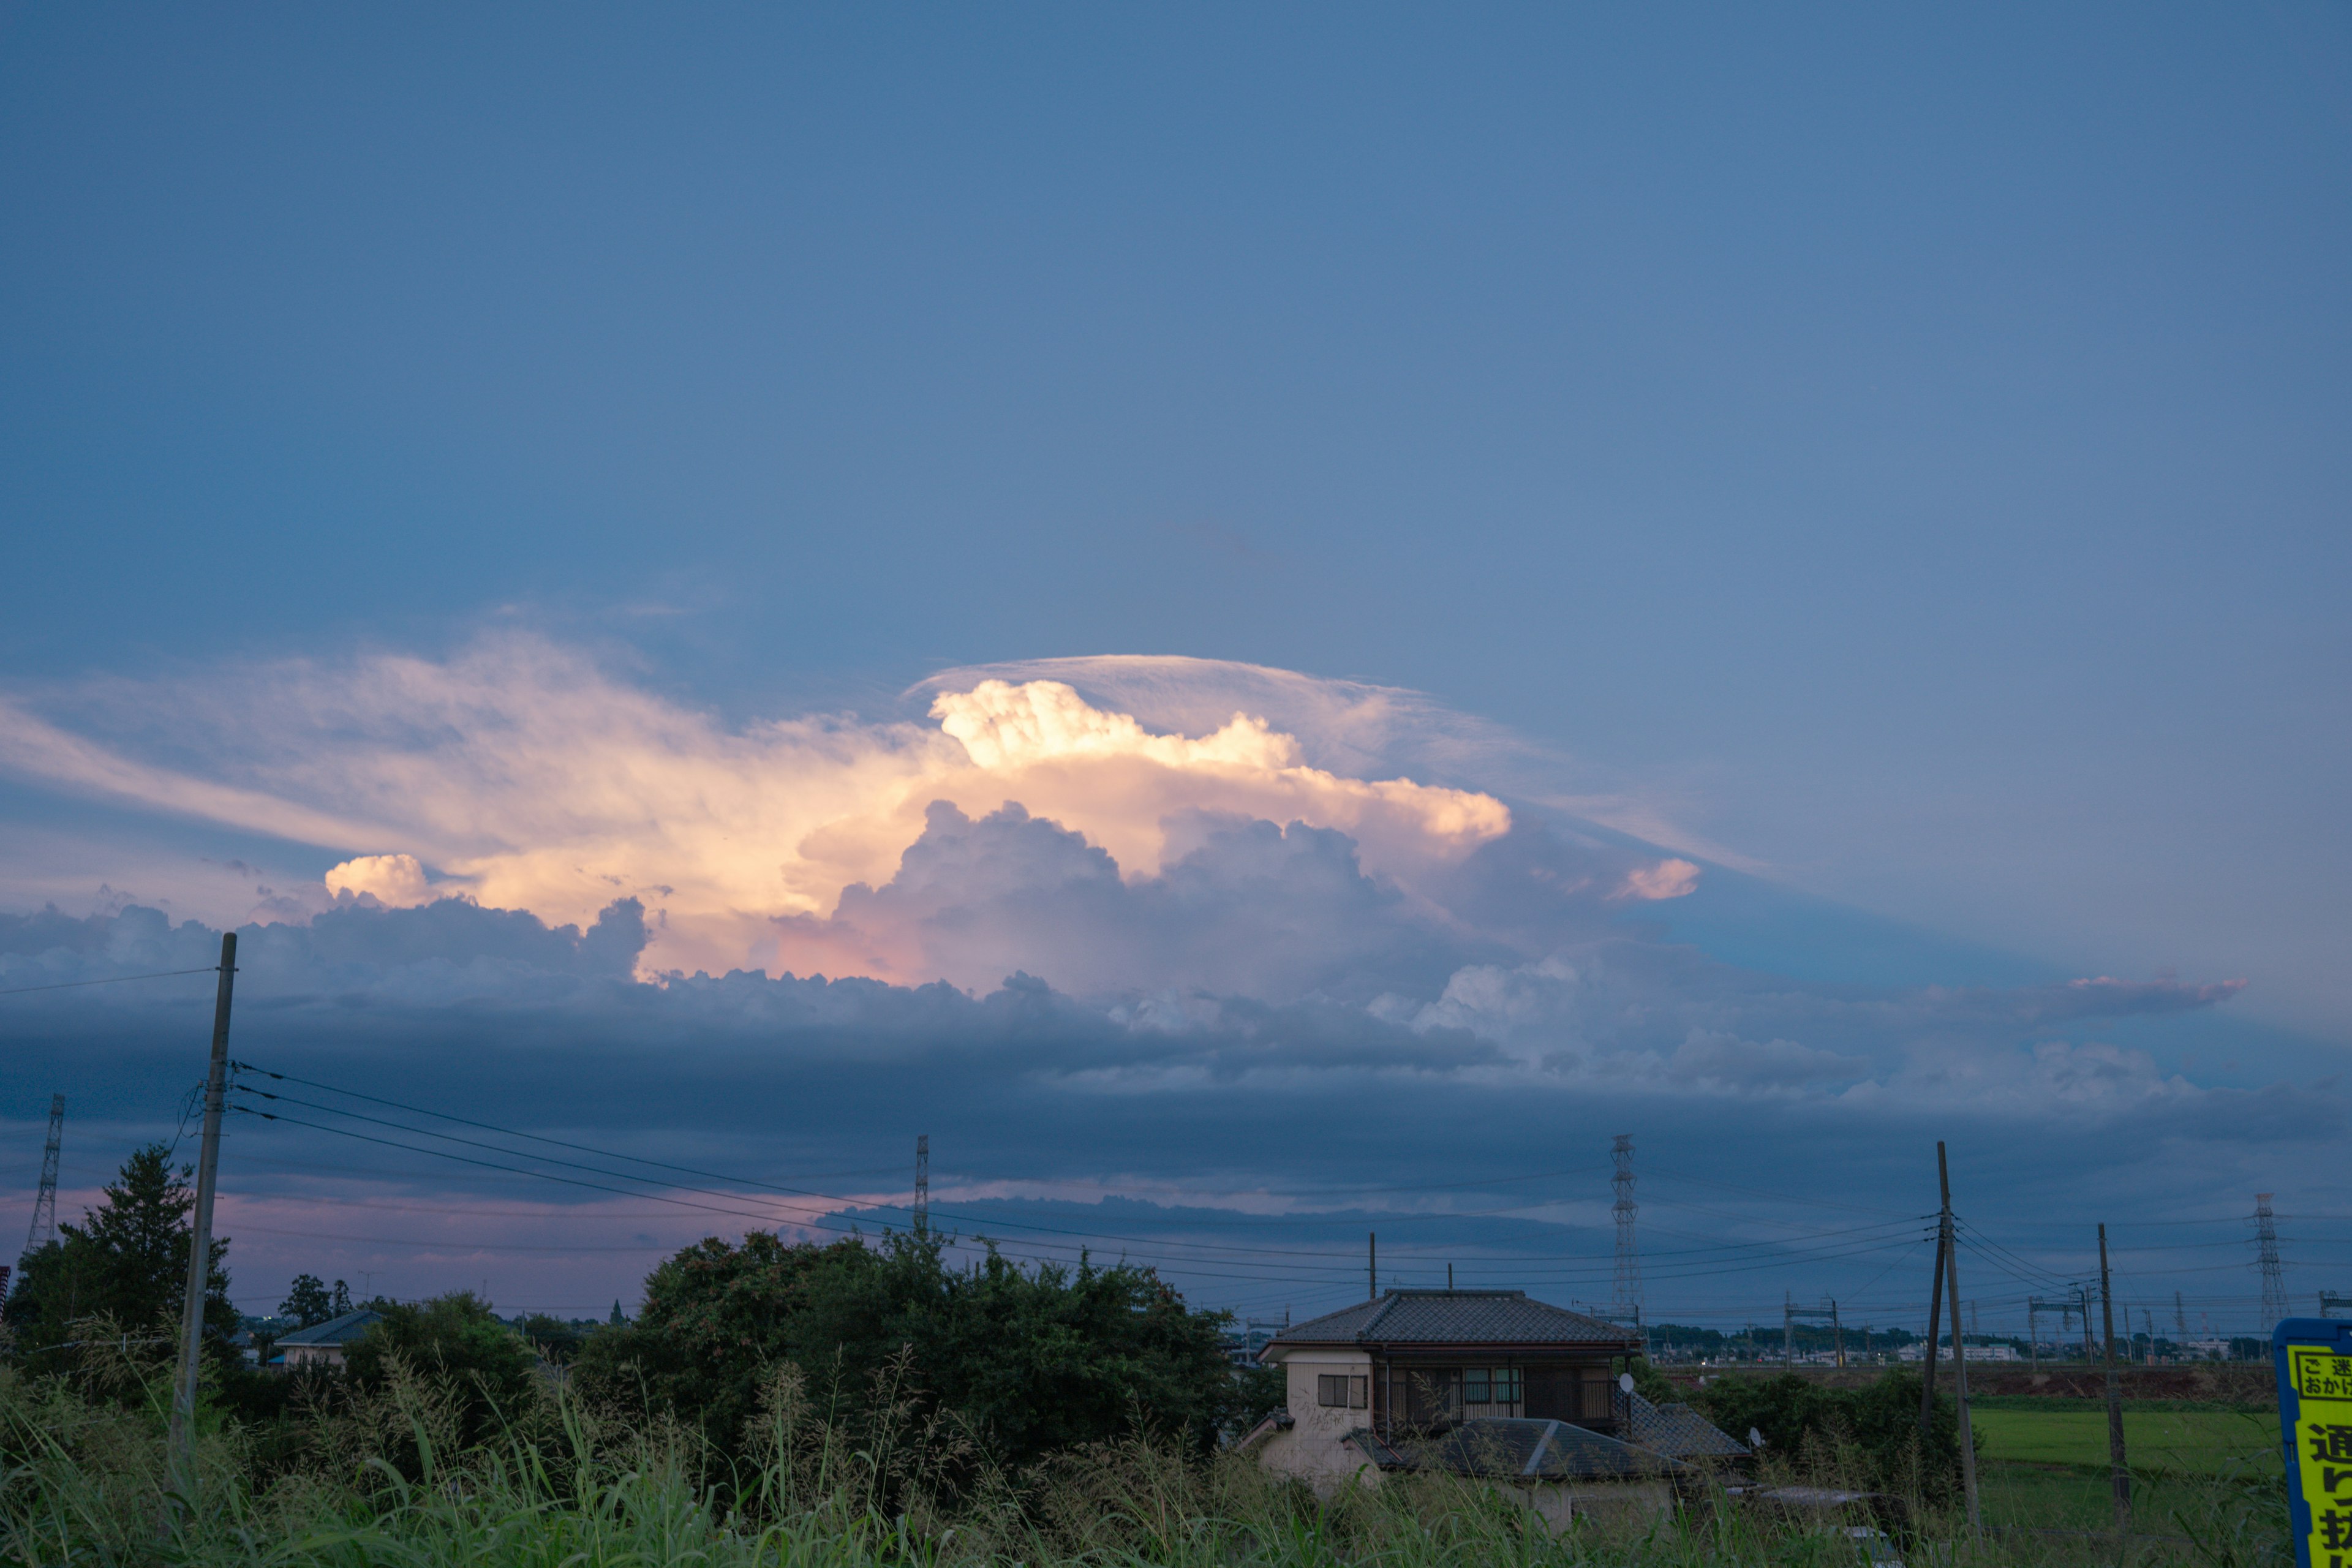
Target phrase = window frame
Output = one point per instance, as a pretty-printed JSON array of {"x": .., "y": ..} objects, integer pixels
[{"x": 1353, "y": 1391}]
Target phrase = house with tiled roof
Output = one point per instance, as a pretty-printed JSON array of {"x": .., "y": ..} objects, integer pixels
[
  {"x": 1486, "y": 1383},
  {"x": 322, "y": 1344}
]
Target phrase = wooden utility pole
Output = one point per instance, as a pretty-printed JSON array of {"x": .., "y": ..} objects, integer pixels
[
  {"x": 1959, "y": 1349},
  {"x": 1935, "y": 1302},
  {"x": 2121, "y": 1472},
  {"x": 200, "y": 1237},
  {"x": 1372, "y": 1265}
]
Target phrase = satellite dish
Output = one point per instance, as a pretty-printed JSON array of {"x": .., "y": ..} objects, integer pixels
[
  {"x": 1754, "y": 1438},
  {"x": 1625, "y": 1381}
]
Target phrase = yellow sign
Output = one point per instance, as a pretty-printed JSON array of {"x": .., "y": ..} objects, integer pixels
[{"x": 2321, "y": 1378}]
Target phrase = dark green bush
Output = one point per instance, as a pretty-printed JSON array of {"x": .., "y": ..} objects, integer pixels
[{"x": 1879, "y": 1424}]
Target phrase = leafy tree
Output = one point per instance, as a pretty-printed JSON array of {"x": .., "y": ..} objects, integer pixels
[
  {"x": 341, "y": 1303},
  {"x": 128, "y": 1261},
  {"x": 1034, "y": 1359},
  {"x": 307, "y": 1302},
  {"x": 555, "y": 1339},
  {"x": 455, "y": 1337}
]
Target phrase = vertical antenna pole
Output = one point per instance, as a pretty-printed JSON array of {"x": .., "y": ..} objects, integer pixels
[
  {"x": 1372, "y": 1265},
  {"x": 200, "y": 1237},
  {"x": 2119, "y": 1472},
  {"x": 922, "y": 1184},
  {"x": 1935, "y": 1302},
  {"x": 1959, "y": 1349}
]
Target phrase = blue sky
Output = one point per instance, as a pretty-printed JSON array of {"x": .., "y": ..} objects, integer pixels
[{"x": 1891, "y": 463}]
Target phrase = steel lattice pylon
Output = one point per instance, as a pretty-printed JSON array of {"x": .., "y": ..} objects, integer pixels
[
  {"x": 2273, "y": 1272},
  {"x": 1627, "y": 1302},
  {"x": 44, "y": 1207}
]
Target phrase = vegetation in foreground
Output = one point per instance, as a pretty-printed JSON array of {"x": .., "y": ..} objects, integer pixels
[
  {"x": 775, "y": 1404},
  {"x": 389, "y": 1475}
]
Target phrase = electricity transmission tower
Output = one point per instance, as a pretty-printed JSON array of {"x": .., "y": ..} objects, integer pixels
[
  {"x": 1627, "y": 1302},
  {"x": 922, "y": 1184},
  {"x": 45, "y": 1208},
  {"x": 2274, "y": 1275}
]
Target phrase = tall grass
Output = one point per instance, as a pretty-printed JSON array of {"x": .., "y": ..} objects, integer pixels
[{"x": 380, "y": 1478}]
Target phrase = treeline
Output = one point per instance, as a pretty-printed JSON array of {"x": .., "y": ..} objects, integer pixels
[
  {"x": 1767, "y": 1341},
  {"x": 1021, "y": 1361}
]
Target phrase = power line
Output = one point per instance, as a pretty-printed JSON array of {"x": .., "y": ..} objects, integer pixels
[
  {"x": 109, "y": 980},
  {"x": 796, "y": 1192}
]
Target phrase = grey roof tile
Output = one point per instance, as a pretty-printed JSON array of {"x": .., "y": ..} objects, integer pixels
[
  {"x": 333, "y": 1332},
  {"x": 1543, "y": 1450},
  {"x": 1455, "y": 1316},
  {"x": 1681, "y": 1433}
]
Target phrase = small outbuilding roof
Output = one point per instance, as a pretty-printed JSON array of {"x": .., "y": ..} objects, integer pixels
[
  {"x": 1681, "y": 1433},
  {"x": 333, "y": 1332},
  {"x": 1456, "y": 1318},
  {"x": 1535, "y": 1450}
]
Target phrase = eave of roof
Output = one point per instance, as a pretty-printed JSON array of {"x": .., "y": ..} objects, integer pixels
[{"x": 1468, "y": 1319}]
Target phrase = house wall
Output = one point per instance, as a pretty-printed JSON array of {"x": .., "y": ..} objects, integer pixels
[{"x": 1316, "y": 1447}]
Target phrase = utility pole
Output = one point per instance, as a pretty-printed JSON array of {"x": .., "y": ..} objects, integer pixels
[
  {"x": 922, "y": 1184},
  {"x": 2274, "y": 1276},
  {"x": 1627, "y": 1303},
  {"x": 44, "y": 1207},
  {"x": 2120, "y": 1471},
  {"x": 1935, "y": 1300},
  {"x": 1788, "y": 1329},
  {"x": 2034, "y": 1333},
  {"x": 1960, "y": 1352},
  {"x": 1372, "y": 1265},
  {"x": 200, "y": 1239},
  {"x": 1837, "y": 1332}
]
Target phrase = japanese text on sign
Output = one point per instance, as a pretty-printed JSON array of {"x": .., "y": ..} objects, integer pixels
[{"x": 2324, "y": 1448}]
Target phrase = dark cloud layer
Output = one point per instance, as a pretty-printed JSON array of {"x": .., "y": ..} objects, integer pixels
[{"x": 1379, "y": 1041}]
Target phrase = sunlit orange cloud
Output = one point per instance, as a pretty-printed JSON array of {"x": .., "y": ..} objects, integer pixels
[{"x": 521, "y": 774}]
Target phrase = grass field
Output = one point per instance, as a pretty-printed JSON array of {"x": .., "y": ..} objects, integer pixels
[
  {"x": 2181, "y": 1442},
  {"x": 2069, "y": 1497}
]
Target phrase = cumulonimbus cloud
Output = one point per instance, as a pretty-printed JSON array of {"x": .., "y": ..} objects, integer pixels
[{"x": 522, "y": 774}]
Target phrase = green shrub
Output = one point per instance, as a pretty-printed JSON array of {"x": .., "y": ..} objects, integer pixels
[{"x": 1875, "y": 1426}]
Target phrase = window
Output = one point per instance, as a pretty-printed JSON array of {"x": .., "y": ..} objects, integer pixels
[
  {"x": 1337, "y": 1391},
  {"x": 1490, "y": 1385}
]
